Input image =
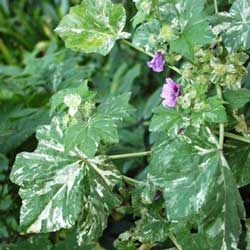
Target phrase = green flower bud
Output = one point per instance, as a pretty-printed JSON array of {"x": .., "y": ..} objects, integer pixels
[{"x": 167, "y": 33}]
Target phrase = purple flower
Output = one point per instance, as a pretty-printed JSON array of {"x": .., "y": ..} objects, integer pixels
[
  {"x": 157, "y": 63},
  {"x": 170, "y": 93}
]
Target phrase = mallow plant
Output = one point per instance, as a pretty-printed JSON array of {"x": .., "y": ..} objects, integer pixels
[{"x": 199, "y": 133}]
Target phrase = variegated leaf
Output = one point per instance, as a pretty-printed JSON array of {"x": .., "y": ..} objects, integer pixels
[
  {"x": 198, "y": 186},
  {"x": 59, "y": 188},
  {"x": 93, "y": 26}
]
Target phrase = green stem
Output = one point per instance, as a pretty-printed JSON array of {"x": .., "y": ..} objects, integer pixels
[
  {"x": 236, "y": 137},
  {"x": 173, "y": 239},
  {"x": 129, "y": 180},
  {"x": 175, "y": 69},
  {"x": 216, "y": 6},
  {"x": 137, "y": 48},
  {"x": 148, "y": 54},
  {"x": 221, "y": 133},
  {"x": 131, "y": 155}
]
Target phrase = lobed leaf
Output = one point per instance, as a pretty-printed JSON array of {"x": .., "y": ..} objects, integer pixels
[
  {"x": 57, "y": 187},
  {"x": 198, "y": 186},
  {"x": 93, "y": 26},
  {"x": 236, "y": 32}
]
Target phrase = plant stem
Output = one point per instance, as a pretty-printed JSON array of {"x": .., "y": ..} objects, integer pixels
[
  {"x": 148, "y": 54},
  {"x": 216, "y": 6},
  {"x": 137, "y": 48},
  {"x": 221, "y": 134},
  {"x": 130, "y": 180},
  {"x": 131, "y": 155},
  {"x": 236, "y": 137},
  {"x": 173, "y": 239},
  {"x": 175, "y": 69}
]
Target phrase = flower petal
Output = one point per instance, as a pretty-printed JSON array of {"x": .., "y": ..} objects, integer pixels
[
  {"x": 157, "y": 63},
  {"x": 169, "y": 102},
  {"x": 167, "y": 91}
]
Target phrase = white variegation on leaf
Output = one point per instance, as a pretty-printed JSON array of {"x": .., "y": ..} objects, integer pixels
[
  {"x": 235, "y": 30},
  {"x": 72, "y": 102},
  {"x": 57, "y": 186},
  {"x": 196, "y": 181},
  {"x": 93, "y": 26}
]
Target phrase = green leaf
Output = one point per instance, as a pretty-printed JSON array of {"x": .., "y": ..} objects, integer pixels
[
  {"x": 40, "y": 242},
  {"x": 193, "y": 174},
  {"x": 151, "y": 103},
  {"x": 146, "y": 35},
  {"x": 169, "y": 120},
  {"x": 215, "y": 111},
  {"x": 58, "y": 189},
  {"x": 195, "y": 28},
  {"x": 125, "y": 242},
  {"x": 236, "y": 32},
  {"x": 237, "y": 98},
  {"x": 93, "y": 26},
  {"x": 98, "y": 202},
  {"x": 152, "y": 229},
  {"x": 87, "y": 135},
  {"x": 17, "y": 125},
  {"x": 116, "y": 107},
  {"x": 144, "y": 8},
  {"x": 239, "y": 160},
  {"x": 58, "y": 98}
]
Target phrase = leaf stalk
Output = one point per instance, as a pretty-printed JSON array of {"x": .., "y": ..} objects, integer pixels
[
  {"x": 130, "y": 155},
  {"x": 222, "y": 128}
]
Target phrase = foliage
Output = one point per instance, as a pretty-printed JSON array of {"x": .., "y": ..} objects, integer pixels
[{"x": 100, "y": 158}]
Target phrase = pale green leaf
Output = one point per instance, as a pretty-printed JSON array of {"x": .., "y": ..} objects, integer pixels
[
  {"x": 93, "y": 26},
  {"x": 146, "y": 35}
]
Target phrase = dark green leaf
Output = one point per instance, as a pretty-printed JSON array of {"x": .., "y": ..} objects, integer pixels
[
  {"x": 193, "y": 174},
  {"x": 237, "y": 98},
  {"x": 169, "y": 120}
]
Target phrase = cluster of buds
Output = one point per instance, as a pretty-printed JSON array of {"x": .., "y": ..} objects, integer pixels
[{"x": 209, "y": 68}]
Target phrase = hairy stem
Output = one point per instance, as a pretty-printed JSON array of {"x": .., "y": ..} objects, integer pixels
[
  {"x": 221, "y": 131},
  {"x": 173, "y": 239},
  {"x": 131, "y": 155}
]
